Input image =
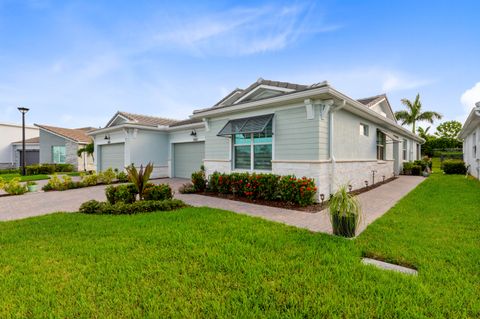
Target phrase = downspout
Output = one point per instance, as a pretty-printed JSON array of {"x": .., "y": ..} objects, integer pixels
[{"x": 333, "y": 109}]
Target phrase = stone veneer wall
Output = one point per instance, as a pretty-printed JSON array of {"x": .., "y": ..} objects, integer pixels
[{"x": 354, "y": 173}]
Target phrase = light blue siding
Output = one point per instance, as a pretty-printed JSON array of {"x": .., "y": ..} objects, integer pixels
[{"x": 47, "y": 140}]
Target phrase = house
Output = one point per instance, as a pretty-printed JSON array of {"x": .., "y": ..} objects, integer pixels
[
  {"x": 306, "y": 130},
  {"x": 10, "y": 133},
  {"x": 470, "y": 134},
  {"x": 272, "y": 127},
  {"x": 139, "y": 139},
  {"x": 60, "y": 145},
  {"x": 32, "y": 151}
]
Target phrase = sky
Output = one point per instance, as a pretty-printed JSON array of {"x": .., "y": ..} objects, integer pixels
[{"x": 75, "y": 63}]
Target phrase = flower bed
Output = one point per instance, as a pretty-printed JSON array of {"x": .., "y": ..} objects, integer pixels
[{"x": 289, "y": 190}]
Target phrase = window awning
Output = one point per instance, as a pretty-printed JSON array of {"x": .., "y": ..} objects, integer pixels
[
  {"x": 390, "y": 135},
  {"x": 255, "y": 124}
]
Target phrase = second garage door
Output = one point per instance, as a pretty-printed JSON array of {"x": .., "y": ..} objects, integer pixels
[
  {"x": 188, "y": 158},
  {"x": 112, "y": 155}
]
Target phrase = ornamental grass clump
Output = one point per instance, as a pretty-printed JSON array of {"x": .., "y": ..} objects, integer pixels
[
  {"x": 140, "y": 177},
  {"x": 345, "y": 213}
]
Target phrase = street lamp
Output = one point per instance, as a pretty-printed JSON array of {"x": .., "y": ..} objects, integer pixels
[{"x": 23, "y": 110}]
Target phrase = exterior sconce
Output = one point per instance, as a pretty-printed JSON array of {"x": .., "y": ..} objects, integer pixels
[
  {"x": 366, "y": 183},
  {"x": 193, "y": 133},
  {"x": 350, "y": 188},
  {"x": 322, "y": 197},
  {"x": 107, "y": 138}
]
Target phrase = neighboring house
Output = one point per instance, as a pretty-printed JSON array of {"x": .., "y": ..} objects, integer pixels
[
  {"x": 139, "y": 139},
  {"x": 270, "y": 127},
  {"x": 314, "y": 131},
  {"x": 60, "y": 145},
  {"x": 10, "y": 133},
  {"x": 470, "y": 134},
  {"x": 32, "y": 151}
]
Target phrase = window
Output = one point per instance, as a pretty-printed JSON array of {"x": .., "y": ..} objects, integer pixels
[
  {"x": 474, "y": 150},
  {"x": 381, "y": 141},
  {"x": 405, "y": 149},
  {"x": 363, "y": 129},
  {"x": 253, "y": 150},
  {"x": 59, "y": 154}
]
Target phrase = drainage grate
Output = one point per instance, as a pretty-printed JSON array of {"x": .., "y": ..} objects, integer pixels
[{"x": 388, "y": 266}]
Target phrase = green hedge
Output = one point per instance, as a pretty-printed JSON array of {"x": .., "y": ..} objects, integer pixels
[
  {"x": 120, "y": 208},
  {"x": 454, "y": 167},
  {"x": 300, "y": 191},
  {"x": 122, "y": 193},
  {"x": 48, "y": 169}
]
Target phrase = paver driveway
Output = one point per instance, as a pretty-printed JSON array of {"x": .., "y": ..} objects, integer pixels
[{"x": 374, "y": 204}]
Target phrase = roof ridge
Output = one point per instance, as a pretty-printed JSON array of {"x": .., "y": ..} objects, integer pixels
[{"x": 151, "y": 116}]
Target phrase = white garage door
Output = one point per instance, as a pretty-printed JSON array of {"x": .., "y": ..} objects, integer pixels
[
  {"x": 112, "y": 155},
  {"x": 188, "y": 158}
]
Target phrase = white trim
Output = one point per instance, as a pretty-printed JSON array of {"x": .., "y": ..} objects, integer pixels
[
  {"x": 217, "y": 160},
  {"x": 115, "y": 117},
  {"x": 263, "y": 86}
]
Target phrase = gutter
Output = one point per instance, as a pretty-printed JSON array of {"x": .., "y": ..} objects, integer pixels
[
  {"x": 128, "y": 125},
  {"x": 330, "y": 141}
]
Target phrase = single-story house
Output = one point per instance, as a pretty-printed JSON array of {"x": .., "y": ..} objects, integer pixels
[
  {"x": 10, "y": 133},
  {"x": 276, "y": 127},
  {"x": 32, "y": 151},
  {"x": 470, "y": 134},
  {"x": 139, "y": 139},
  {"x": 60, "y": 145}
]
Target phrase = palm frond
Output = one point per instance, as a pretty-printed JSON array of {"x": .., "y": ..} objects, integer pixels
[{"x": 429, "y": 116}]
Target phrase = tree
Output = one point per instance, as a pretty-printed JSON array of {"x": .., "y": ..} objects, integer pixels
[
  {"x": 449, "y": 129},
  {"x": 89, "y": 149},
  {"x": 423, "y": 132},
  {"x": 414, "y": 113}
]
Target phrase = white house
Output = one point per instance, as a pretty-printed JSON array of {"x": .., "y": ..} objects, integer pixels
[
  {"x": 470, "y": 134},
  {"x": 278, "y": 127},
  {"x": 12, "y": 133}
]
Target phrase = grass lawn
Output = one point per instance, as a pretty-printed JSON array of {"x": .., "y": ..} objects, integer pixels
[
  {"x": 201, "y": 262},
  {"x": 436, "y": 164},
  {"x": 26, "y": 178}
]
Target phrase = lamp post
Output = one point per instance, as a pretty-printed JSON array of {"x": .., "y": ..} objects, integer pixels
[{"x": 23, "y": 110}]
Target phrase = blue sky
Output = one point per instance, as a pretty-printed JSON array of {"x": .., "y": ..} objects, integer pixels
[{"x": 75, "y": 63}]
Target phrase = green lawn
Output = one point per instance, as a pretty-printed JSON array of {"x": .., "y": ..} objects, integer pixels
[
  {"x": 26, "y": 178},
  {"x": 205, "y": 263}
]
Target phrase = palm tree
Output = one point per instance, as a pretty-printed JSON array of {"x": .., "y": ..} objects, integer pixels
[
  {"x": 414, "y": 113},
  {"x": 89, "y": 149},
  {"x": 423, "y": 132}
]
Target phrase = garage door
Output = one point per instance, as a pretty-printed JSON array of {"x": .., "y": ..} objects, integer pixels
[
  {"x": 113, "y": 156},
  {"x": 188, "y": 158},
  {"x": 33, "y": 157}
]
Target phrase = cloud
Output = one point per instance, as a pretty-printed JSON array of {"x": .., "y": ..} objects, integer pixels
[
  {"x": 468, "y": 100},
  {"x": 242, "y": 31}
]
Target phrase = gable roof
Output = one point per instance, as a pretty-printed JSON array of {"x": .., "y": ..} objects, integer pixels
[
  {"x": 140, "y": 119},
  {"x": 372, "y": 100},
  {"x": 237, "y": 95},
  {"x": 186, "y": 122},
  {"x": 33, "y": 140},
  {"x": 472, "y": 121},
  {"x": 75, "y": 135}
]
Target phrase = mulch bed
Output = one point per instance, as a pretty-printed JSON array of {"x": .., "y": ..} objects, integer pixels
[{"x": 315, "y": 208}]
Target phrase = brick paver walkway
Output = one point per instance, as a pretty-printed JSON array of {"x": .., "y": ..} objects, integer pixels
[{"x": 374, "y": 204}]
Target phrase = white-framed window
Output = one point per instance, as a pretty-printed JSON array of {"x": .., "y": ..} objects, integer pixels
[
  {"x": 364, "y": 129},
  {"x": 253, "y": 151},
  {"x": 59, "y": 154},
  {"x": 381, "y": 142},
  {"x": 404, "y": 149}
]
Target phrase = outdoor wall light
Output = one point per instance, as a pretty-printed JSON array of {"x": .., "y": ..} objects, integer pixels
[
  {"x": 350, "y": 188},
  {"x": 366, "y": 183},
  {"x": 107, "y": 137},
  {"x": 322, "y": 197},
  {"x": 193, "y": 133}
]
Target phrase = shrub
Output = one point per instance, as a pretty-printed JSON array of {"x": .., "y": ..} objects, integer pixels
[
  {"x": 157, "y": 192},
  {"x": 213, "y": 182},
  {"x": 417, "y": 170},
  {"x": 13, "y": 187},
  {"x": 90, "y": 180},
  {"x": 187, "y": 188},
  {"x": 91, "y": 207},
  {"x": 60, "y": 184},
  {"x": 122, "y": 177},
  {"x": 344, "y": 212},
  {"x": 120, "y": 208},
  {"x": 107, "y": 176},
  {"x": 139, "y": 177},
  {"x": 198, "y": 180},
  {"x": 121, "y": 193},
  {"x": 9, "y": 171},
  {"x": 454, "y": 167},
  {"x": 40, "y": 169},
  {"x": 297, "y": 190},
  {"x": 65, "y": 168}
]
